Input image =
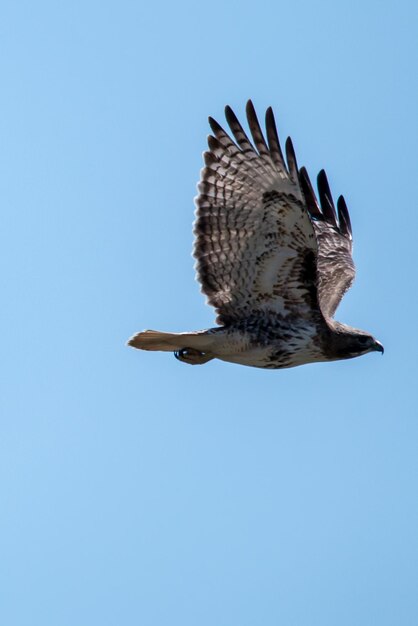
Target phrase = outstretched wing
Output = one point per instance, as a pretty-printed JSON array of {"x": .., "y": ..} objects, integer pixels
[
  {"x": 335, "y": 267},
  {"x": 255, "y": 243}
]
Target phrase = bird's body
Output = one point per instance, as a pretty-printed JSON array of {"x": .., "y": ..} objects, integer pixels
[
  {"x": 271, "y": 260},
  {"x": 266, "y": 341}
]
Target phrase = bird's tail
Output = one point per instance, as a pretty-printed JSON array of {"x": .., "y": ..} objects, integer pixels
[{"x": 169, "y": 342}]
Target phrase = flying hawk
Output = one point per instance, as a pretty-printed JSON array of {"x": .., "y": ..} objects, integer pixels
[{"x": 273, "y": 261}]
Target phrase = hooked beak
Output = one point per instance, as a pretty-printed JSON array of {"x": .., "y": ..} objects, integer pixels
[{"x": 378, "y": 347}]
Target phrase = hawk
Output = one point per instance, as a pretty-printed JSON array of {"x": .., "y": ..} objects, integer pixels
[{"x": 272, "y": 260}]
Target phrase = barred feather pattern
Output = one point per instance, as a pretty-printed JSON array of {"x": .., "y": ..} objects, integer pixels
[
  {"x": 335, "y": 267},
  {"x": 263, "y": 242},
  {"x": 255, "y": 245}
]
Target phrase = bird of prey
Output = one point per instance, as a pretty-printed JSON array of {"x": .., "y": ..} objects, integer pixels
[{"x": 272, "y": 260}]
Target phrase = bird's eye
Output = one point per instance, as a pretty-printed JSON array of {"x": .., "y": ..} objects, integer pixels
[{"x": 363, "y": 339}]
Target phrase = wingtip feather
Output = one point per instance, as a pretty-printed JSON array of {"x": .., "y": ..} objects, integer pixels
[
  {"x": 291, "y": 159},
  {"x": 344, "y": 217},
  {"x": 309, "y": 193},
  {"x": 325, "y": 198}
]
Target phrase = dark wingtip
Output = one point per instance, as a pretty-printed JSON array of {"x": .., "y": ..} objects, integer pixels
[
  {"x": 256, "y": 132},
  {"x": 309, "y": 193},
  {"x": 231, "y": 118},
  {"x": 325, "y": 198},
  {"x": 273, "y": 139},
  {"x": 213, "y": 143},
  {"x": 249, "y": 108},
  {"x": 215, "y": 126},
  {"x": 238, "y": 132},
  {"x": 291, "y": 159},
  {"x": 344, "y": 217}
]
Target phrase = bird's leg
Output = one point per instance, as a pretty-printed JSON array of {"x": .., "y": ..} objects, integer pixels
[{"x": 192, "y": 356}]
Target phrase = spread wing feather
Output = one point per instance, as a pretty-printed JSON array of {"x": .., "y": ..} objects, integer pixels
[
  {"x": 263, "y": 242},
  {"x": 255, "y": 243},
  {"x": 335, "y": 265}
]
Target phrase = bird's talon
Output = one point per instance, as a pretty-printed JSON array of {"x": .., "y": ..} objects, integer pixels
[{"x": 192, "y": 356}]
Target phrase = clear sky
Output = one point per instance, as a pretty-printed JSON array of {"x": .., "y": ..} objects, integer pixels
[{"x": 134, "y": 489}]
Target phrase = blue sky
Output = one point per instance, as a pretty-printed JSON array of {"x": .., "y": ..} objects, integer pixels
[{"x": 135, "y": 489}]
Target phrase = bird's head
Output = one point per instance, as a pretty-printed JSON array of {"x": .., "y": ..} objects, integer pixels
[{"x": 351, "y": 342}]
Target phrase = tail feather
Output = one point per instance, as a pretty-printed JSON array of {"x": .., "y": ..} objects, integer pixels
[{"x": 166, "y": 342}]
